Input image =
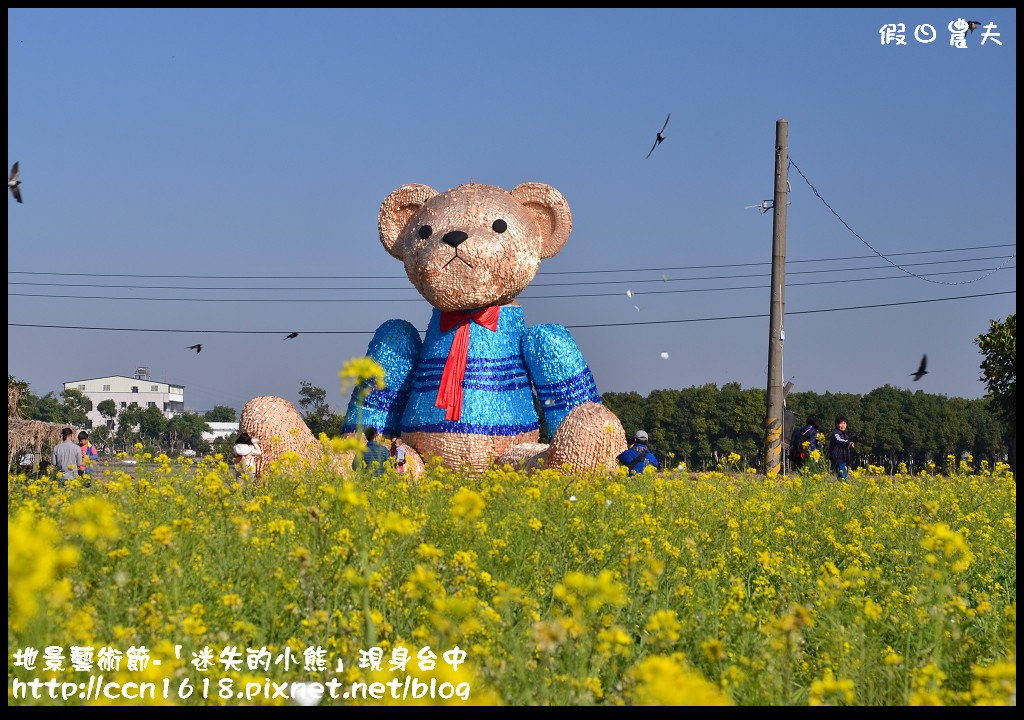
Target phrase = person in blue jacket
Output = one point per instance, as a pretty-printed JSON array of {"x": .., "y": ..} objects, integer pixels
[
  {"x": 839, "y": 447},
  {"x": 638, "y": 456},
  {"x": 375, "y": 456}
]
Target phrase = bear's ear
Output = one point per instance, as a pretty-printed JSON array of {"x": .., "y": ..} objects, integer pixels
[
  {"x": 395, "y": 212},
  {"x": 550, "y": 211}
]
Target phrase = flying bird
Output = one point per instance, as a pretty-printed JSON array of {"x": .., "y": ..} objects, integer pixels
[
  {"x": 198, "y": 347},
  {"x": 289, "y": 336},
  {"x": 971, "y": 24},
  {"x": 661, "y": 137},
  {"x": 921, "y": 372},
  {"x": 14, "y": 182}
]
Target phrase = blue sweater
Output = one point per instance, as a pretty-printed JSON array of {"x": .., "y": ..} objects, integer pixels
[{"x": 504, "y": 369}]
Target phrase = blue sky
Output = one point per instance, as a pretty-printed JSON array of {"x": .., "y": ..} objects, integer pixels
[{"x": 257, "y": 145}]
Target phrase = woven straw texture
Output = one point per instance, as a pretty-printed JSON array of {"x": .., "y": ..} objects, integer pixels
[
  {"x": 527, "y": 456},
  {"x": 456, "y": 450},
  {"x": 589, "y": 438},
  {"x": 280, "y": 429}
]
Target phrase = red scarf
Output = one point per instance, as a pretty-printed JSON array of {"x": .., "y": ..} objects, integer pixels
[{"x": 449, "y": 395}]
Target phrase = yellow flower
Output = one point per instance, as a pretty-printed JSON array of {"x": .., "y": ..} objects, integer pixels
[
  {"x": 872, "y": 610},
  {"x": 364, "y": 371},
  {"x": 162, "y": 535},
  {"x": 466, "y": 506},
  {"x": 33, "y": 561},
  {"x": 713, "y": 649},
  {"x": 664, "y": 625},
  {"x": 831, "y": 690},
  {"x": 394, "y": 522},
  {"x": 665, "y": 680}
]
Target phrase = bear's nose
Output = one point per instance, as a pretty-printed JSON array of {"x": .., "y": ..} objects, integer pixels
[{"x": 454, "y": 238}]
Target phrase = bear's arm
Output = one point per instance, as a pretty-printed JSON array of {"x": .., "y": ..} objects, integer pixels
[
  {"x": 396, "y": 348},
  {"x": 559, "y": 373}
]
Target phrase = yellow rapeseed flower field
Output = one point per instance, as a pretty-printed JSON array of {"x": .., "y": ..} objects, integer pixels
[{"x": 544, "y": 588}]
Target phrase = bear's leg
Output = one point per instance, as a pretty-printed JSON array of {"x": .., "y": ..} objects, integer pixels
[
  {"x": 279, "y": 428},
  {"x": 524, "y": 456},
  {"x": 589, "y": 438}
]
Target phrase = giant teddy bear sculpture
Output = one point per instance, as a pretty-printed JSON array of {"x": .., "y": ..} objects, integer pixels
[{"x": 465, "y": 393}]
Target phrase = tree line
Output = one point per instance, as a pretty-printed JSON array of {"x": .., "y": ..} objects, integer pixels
[
  {"x": 698, "y": 425},
  {"x": 702, "y": 424}
]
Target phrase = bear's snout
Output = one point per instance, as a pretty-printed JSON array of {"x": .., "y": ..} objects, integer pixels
[{"x": 454, "y": 238}]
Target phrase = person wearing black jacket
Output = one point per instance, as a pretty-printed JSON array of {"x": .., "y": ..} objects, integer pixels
[
  {"x": 798, "y": 454},
  {"x": 638, "y": 456},
  {"x": 839, "y": 447}
]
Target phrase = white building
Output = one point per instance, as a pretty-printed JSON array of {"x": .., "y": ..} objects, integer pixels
[
  {"x": 220, "y": 430},
  {"x": 125, "y": 391}
]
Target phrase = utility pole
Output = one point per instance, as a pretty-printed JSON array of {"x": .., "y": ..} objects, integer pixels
[{"x": 773, "y": 422}]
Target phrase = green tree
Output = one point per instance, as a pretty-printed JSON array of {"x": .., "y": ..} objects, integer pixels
[
  {"x": 152, "y": 424},
  {"x": 319, "y": 417},
  {"x": 221, "y": 413},
  {"x": 100, "y": 436},
  {"x": 880, "y": 436},
  {"x": 75, "y": 407},
  {"x": 187, "y": 429},
  {"x": 628, "y": 408},
  {"x": 46, "y": 408},
  {"x": 313, "y": 399},
  {"x": 999, "y": 367},
  {"x": 127, "y": 423},
  {"x": 108, "y": 409}
]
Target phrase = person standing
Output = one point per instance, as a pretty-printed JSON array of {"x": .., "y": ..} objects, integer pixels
[
  {"x": 804, "y": 440},
  {"x": 637, "y": 457},
  {"x": 375, "y": 456},
  {"x": 88, "y": 451},
  {"x": 66, "y": 457},
  {"x": 398, "y": 453},
  {"x": 839, "y": 447},
  {"x": 246, "y": 449}
]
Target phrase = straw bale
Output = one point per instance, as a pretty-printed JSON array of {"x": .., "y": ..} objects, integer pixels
[
  {"x": 280, "y": 429},
  {"x": 590, "y": 437}
]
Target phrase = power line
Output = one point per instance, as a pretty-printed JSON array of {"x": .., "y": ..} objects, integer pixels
[
  {"x": 535, "y": 285},
  {"x": 594, "y": 325},
  {"x": 617, "y": 293},
  {"x": 898, "y": 267},
  {"x": 541, "y": 272}
]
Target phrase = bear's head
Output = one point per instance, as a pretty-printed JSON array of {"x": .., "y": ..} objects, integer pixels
[{"x": 474, "y": 245}]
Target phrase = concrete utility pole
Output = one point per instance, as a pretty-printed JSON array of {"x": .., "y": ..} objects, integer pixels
[{"x": 773, "y": 422}]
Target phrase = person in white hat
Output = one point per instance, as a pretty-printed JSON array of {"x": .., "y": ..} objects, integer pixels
[{"x": 637, "y": 457}]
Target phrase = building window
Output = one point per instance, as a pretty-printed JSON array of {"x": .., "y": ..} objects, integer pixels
[
  {"x": 110, "y": 424},
  {"x": 151, "y": 404},
  {"x": 167, "y": 406},
  {"x": 106, "y": 388},
  {"x": 154, "y": 388},
  {"x": 81, "y": 387},
  {"x": 124, "y": 404},
  {"x": 135, "y": 404},
  {"x": 135, "y": 388}
]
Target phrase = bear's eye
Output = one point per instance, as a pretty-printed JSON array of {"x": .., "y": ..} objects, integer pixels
[
  {"x": 499, "y": 226},
  {"x": 425, "y": 231}
]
